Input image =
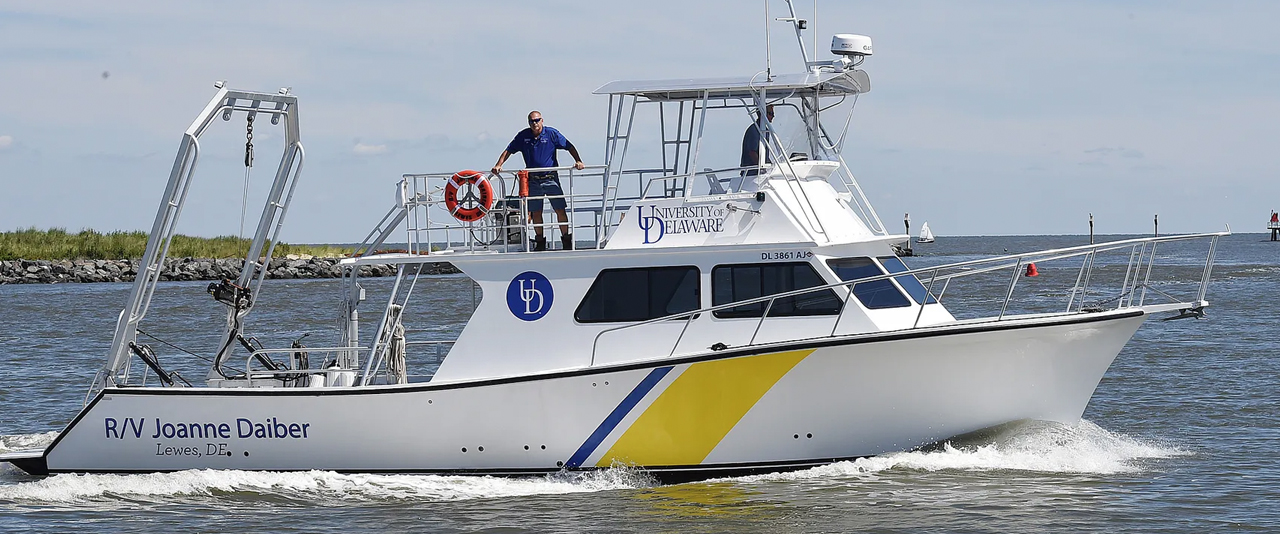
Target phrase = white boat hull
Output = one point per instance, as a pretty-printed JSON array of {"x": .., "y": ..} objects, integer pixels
[{"x": 790, "y": 405}]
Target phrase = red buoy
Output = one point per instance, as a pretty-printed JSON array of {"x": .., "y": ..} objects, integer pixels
[{"x": 1031, "y": 270}]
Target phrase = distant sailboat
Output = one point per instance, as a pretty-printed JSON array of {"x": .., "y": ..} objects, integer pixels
[{"x": 926, "y": 235}]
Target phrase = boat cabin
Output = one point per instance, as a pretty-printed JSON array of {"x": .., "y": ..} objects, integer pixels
[{"x": 659, "y": 240}]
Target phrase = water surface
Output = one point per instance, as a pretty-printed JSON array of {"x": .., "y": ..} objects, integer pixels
[{"x": 1181, "y": 434}]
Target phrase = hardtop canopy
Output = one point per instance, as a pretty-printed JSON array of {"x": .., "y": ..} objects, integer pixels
[{"x": 825, "y": 83}]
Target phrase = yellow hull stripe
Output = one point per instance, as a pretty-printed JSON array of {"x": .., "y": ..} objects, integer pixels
[{"x": 686, "y": 422}]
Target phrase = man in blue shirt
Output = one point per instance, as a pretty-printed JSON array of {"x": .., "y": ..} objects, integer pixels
[{"x": 538, "y": 144}]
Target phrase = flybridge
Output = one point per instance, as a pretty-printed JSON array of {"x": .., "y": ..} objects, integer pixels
[{"x": 598, "y": 197}]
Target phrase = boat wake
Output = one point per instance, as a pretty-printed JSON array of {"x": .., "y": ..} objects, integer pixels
[
  {"x": 1083, "y": 448},
  {"x": 1032, "y": 446},
  {"x": 20, "y": 442},
  {"x": 307, "y": 487}
]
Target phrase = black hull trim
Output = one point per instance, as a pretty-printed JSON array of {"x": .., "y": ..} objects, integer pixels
[
  {"x": 35, "y": 465},
  {"x": 667, "y": 475}
]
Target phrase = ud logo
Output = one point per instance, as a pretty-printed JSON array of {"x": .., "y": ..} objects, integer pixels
[
  {"x": 529, "y": 296},
  {"x": 653, "y": 225}
]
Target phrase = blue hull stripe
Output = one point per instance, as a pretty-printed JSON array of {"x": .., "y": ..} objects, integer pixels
[{"x": 611, "y": 422}]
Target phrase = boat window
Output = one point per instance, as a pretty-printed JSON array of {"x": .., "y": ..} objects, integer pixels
[
  {"x": 730, "y": 283},
  {"x": 874, "y": 295},
  {"x": 908, "y": 281},
  {"x": 620, "y": 295}
]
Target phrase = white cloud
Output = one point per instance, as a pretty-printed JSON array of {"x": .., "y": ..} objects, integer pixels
[
  {"x": 369, "y": 150},
  {"x": 6, "y": 141}
]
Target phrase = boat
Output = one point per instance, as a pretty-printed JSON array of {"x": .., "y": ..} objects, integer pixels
[
  {"x": 707, "y": 323},
  {"x": 926, "y": 235}
]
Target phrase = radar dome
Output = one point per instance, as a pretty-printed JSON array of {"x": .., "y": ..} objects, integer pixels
[{"x": 848, "y": 44}]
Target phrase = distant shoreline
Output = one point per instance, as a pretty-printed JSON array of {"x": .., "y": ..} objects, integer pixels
[
  {"x": 179, "y": 269},
  {"x": 56, "y": 244}
]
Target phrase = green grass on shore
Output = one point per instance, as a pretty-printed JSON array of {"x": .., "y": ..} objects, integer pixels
[{"x": 58, "y": 244}]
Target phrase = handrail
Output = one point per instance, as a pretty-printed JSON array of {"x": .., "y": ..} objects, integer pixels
[
  {"x": 419, "y": 200},
  {"x": 248, "y": 363},
  {"x": 644, "y": 192},
  {"x": 1003, "y": 263},
  {"x": 417, "y": 192},
  {"x": 1109, "y": 246},
  {"x": 446, "y": 175}
]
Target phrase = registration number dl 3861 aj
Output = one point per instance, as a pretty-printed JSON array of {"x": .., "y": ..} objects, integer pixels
[{"x": 786, "y": 255}]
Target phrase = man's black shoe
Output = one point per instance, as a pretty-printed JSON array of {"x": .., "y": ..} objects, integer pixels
[
  {"x": 567, "y": 241},
  {"x": 539, "y": 244}
]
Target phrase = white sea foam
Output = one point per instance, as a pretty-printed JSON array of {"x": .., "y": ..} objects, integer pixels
[
  {"x": 1037, "y": 447},
  {"x": 18, "y": 442},
  {"x": 312, "y": 485}
]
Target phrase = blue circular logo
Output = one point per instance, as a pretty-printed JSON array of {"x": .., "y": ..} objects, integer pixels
[{"x": 529, "y": 296}]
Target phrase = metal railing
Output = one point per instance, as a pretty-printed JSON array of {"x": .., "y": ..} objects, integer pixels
[
  {"x": 275, "y": 374},
  {"x": 505, "y": 227},
  {"x": 1137, "y": 277},
  {"x": 727, "y": 180},
  {"x": 371, "y": 372}
]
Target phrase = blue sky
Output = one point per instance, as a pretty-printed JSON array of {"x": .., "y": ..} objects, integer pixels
[{"x": 984, "y": 118}]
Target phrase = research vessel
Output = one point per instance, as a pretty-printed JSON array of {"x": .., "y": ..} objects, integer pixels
[{"x": 706, "y": 321}]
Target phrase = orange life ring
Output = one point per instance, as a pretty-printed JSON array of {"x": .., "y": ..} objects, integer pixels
[{"x": 477, "y": 197}]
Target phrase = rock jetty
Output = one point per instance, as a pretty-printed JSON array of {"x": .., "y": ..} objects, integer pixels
[{"x": 68, "y": 271}]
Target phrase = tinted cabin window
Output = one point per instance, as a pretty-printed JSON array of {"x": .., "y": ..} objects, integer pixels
[
  {"x": 908, "y": 281},
  {"x": 874, "y": 295},
  {"x": 622, "y": 295},
  {"x": 731, "y": 283}
]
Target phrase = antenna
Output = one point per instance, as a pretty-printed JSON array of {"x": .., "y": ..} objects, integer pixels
[
  {"x": 799, "y": 24},
  {"x": 768, "y": 72}
]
